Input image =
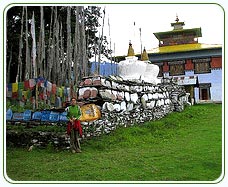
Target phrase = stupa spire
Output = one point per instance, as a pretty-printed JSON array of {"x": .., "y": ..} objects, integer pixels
[
  {"x": 130, "y": 50},
  {"x": 144, "y": 55}
]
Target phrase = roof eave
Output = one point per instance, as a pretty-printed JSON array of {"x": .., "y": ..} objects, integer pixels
[{"x": 159, "y": 35}]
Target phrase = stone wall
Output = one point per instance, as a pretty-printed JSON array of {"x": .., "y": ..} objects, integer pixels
[
  {"x": 26, "y": 138},
  {"x": 122, "y": 104},
  {"x": 125, "y": 103}
]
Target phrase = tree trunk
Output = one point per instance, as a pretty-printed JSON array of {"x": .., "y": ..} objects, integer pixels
[
  {"x": 10, "y": 57},
  {"x": 58, "y": 77},
  {"x": 54, "y": 49},
  {"x": 41, "y": 53},
  {"x": 33, "y": 33},
  {"x": 76, "y": 47},
  {"x": 62, "y": 69},
  {"x": 83, "y": 45},
  {"x": 9, "y": 65},
  {"x": 19, "y": 68},
  {"x": 69, "y": 51},
  {"x": 50, "y": 58},
  {"x": 100, "y": 43},
  {"x": 27, "y": 57}
]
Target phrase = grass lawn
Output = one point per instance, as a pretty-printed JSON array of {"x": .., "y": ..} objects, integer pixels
[{"x": 184, "y": 146}]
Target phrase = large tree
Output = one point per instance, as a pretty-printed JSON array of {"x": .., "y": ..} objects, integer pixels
[{"x": 65, "y": 37}]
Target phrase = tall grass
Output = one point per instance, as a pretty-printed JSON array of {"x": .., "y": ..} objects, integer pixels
[{"x": 184, "y": 146}]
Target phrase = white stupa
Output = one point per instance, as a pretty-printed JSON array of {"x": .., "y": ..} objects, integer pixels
[
  {"x": 152, "y": 70},
  {"x": 133, "y": 69}
]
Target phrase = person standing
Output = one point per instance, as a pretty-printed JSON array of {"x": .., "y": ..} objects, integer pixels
[{"x": 74, "y": 129}]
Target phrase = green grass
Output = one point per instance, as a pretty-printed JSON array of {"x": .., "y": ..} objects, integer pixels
[{"x": 184, "y": 146}]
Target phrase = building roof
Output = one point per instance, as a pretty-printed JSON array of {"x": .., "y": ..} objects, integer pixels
[
  {"x": 181, "y": 52},
  {"x": 195, "y": 31},
  {"x": 183, "y": 48},
  {"x": 208, "y": 52}
]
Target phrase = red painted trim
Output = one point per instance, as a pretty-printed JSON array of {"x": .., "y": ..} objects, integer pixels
[{"x": 216, "y": 62}]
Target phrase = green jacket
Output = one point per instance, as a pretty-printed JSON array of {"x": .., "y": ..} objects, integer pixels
[{"x": 73, "y": 112}]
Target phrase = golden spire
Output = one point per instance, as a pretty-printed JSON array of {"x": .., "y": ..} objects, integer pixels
[
  {"x": 177, "y": 19},
  {"x": 130, "y": 50},
  {"x": 144, "y": 55}
]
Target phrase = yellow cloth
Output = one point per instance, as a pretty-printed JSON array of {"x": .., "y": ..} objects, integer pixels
[{"x": 15, "y": 87}]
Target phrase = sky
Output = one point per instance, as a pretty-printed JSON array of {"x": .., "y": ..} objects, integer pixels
[{"x": 153, "y": 18}]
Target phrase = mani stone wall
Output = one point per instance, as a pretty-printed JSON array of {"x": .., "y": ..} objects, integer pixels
[
  {"x": 125, "y": 103},
  {"x": 122, "y": 104}
]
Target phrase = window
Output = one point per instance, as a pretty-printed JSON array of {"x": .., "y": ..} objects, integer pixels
[
  {"x": 176, "y": 67},
  {"x": 202, "y": 65}
]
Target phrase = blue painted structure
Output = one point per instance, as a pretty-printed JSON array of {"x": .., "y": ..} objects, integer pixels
[
  {"x": 214, "y": 78},
  {"x": 106, "y": 68}
]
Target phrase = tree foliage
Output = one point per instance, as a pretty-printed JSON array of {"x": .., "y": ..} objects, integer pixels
[{"x": 66, "y": 37}]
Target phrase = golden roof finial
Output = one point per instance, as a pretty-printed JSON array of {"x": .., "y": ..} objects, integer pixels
[
  {"x": 144, "y": 55},
  {"x": 177, "y": 25},
  {"x": 130, "y": 50}
]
